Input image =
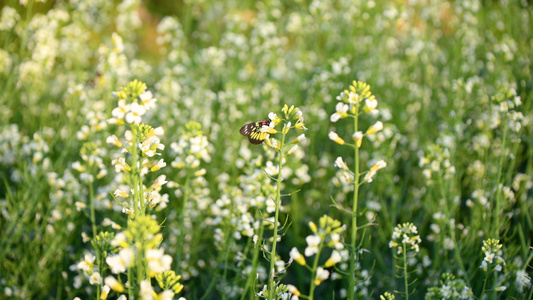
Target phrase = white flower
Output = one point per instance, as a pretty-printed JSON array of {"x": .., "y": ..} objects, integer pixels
[
  {"x": 339, "y": 163},
  {"x": 341, "y": 112},
  {"x": 87, "y": 263},
  {"x": 312, "y": 245},
  {"x": 147, "y": 100},
  {"x": 321, "y": 275},
  {"x": 147, "y": 290},
  {"x": 95, "y": 278},
  {"x": 150, "y": 145},
  {"x": 378, "y": 126},
  {"x": 113, "y": 283},
  {"x": 135, "y": 113},
  {"x": 120, "y": 111},
  {"x": 335, "y": 137},
  {"x": 334, "y": 259},
  {"x": 293, "y": 148},
  {"x": 118, "y": 263},
  {"x": 158, "y": 262},
  {"x": 297, "y": 256}
]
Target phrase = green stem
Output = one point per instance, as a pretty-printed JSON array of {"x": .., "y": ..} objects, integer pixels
[
  {"x": 484, "y": 286},
  {"x": 406, "y": 282},
  {"x": 181, "y": 241},
  {"x": 93, "y": 223},
  {"x": 351, "y": 289},
  {"x": 135, "y": 171},
  {"x": 130, "y": 287},
  {"x": 271, "y": 281},
  {"x": 457, "y": 250},
  {"x": 93, "y": 214},
  {"x": 255, "y": 259},
  {"x": 313, "y": 271},
  {"x": 497, "y": 198}
]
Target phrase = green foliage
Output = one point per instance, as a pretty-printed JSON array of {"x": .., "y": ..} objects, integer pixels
[{"x": 80, "y": 79}]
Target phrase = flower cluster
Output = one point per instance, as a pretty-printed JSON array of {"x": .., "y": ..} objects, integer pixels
[
  {"x": 140, "y": 241},
  {"x": 327, "y": 234},
  {"x": 492, "y": 260},
  {"x": 450, "y": 288},
  {"x": 505, "y": 104},
  {"x": 133, "y": 102},
  {"x": 358, "y": 99},
  {"x": 403, "y": 235},
  {"x": 282, "y": 292},
  {"x": 387, "y": 296},
  {"x": 290, "y": 114},
  {"x": 192, "y": 148},
  {"x": 436, "y": 162}
]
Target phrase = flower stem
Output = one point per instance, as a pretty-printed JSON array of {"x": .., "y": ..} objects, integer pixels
[
  {"x": 313, "y": 271},
  {"x": 497, "y": 198},
  {"x": 255, "y": 259},
  {"x": 271, "y": 281},
  {"x": 135, "y": 172},
  {"x": 406, "y": 282},
  {"x": 351, "y": 290},
  {"x": 181, "y": 241},
  {"x": 457, "y": 250}
]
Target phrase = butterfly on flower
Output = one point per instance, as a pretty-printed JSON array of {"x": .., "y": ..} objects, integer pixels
[{"x": 254, "y": 133}]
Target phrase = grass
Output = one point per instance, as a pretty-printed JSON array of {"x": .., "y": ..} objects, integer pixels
[{"x": 229, "y": 219}]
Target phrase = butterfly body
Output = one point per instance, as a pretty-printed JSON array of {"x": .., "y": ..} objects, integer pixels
[{"x": 253, "y": 131}]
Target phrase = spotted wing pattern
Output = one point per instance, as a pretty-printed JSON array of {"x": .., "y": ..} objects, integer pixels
[{"x": 253, "y": 131}]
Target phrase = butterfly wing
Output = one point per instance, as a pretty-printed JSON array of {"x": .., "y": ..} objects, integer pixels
[{"x": 253, "y": 132}]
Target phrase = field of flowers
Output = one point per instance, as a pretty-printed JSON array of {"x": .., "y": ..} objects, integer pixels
[{"x": 303, "y": 149}]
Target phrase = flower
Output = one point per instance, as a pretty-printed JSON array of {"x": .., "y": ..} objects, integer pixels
[
  {"x": 335, "y": 137},
  {"x": 120, "y": 193},
  {"x": 150, "y": 145},
  {"x": 146, "y": 291},
  {"x": 373, "y": 170},
  {"x": 297, "y": 256},
  {"x": 113, "y": 283},
  {"x": 87, "y": 263},
  {"x": 121, "y": 165},
  {"x": 299, "y": 139},
  {"x": 405, "y": 234},
  {"x": 293, "y": 148},
  {"x": 158, "y": 262},
  {"x": 113, "y": 139},
  {"x": 269, "y": 129},
  {"x": 341, "y": 112},
  {"x": 378, "y": 126},
  {"x": 120, "y": 111},
  {"x": 333, "y": 259},
  {"x": 135, "y": 113},
  {"x": 95, "y": 278},
  {"x": 160, "y": 164},
  {"x": 357, "y": 137},
  {"x": 274, "y": 118},
  {"x": 118, "y": 263},
  {"x": 105, "y": 292},
  {"x": 159, "y": 182},
  {"x": 312, "y": 245},
  {"x": 293, "y": 290},
  {"x": 147, "y": 100},
  {"x": 339, "y": 163},
  {"x": 321, "y": 275}
]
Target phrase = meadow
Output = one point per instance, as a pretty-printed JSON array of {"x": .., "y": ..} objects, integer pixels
[{"x": 303, "y": 149}]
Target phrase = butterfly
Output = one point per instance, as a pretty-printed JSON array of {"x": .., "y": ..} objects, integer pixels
[{"x": 253, "y": 131}]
